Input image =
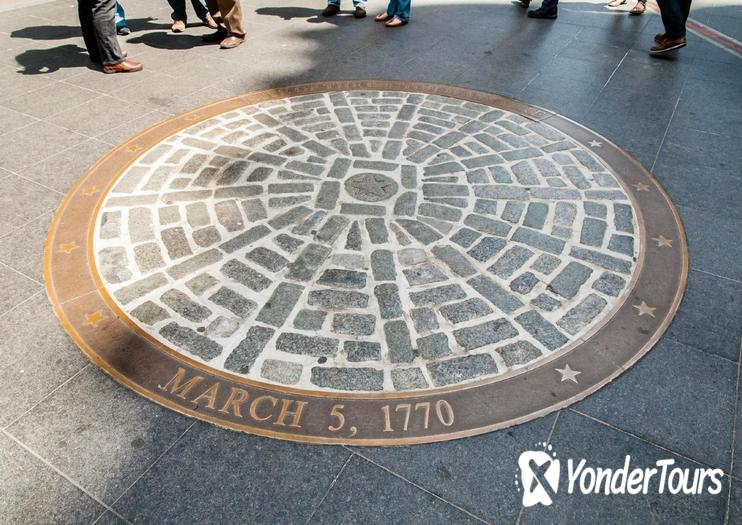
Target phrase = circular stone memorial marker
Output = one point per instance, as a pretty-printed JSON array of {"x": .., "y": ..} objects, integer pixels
[{"x": 366, "y": 262}]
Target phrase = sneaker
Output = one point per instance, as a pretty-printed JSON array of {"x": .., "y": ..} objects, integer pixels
[
  {"x": 123, "y": 31},
  {"x": 330, "y": 10},
  {"x": 524, "y": 3},
  {"x": 359, "y": 12},
  {"x": 542, "y": 13},
  {"x": 668, "y": 45},
  {"x": 178, "y": 26}
]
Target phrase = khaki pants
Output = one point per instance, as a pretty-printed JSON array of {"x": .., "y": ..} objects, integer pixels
[{"x": 231, "y": 14}]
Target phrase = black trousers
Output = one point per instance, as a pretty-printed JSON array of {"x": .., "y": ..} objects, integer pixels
[
  {"x": 98, "y": 23},
  {"x": 674, "y": 14}
]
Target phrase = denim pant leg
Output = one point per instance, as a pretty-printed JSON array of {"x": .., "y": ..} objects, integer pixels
[
  {"x": 403, "y": 10},
  {"x": 199, "y": 6},
  {"x": 359, "y": 3},
  {"x": 549, "y": 5},
  {"x": 179, "y": 10},
  {"x": 673, "y": 17},
  {"x": 391, "y": 8},
  {"x": 120, "y": 15}
]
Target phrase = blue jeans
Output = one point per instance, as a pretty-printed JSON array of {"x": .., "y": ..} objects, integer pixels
[
  {"x": 179, "y": 9},
  {"x": 674, "y": 14},
  {"x": 356, "y": 3},
  {"x": 400, "y": 9},
  {"x": 549, "y": 5},
  {"x": 120, "y": 16}
]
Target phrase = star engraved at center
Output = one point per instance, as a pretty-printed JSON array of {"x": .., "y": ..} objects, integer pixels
[
  {"x": 645, "y": 309},
  {"x": 375, "y": 185}
]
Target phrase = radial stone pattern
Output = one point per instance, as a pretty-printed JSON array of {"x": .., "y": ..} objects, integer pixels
[{"x": 368, "y": 241}]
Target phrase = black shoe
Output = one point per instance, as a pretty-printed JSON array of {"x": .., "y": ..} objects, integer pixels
[
  {"x": 216, "y": 37},
  {"x": 359, "y": 12},
  {"x": 542, "y": 13},
  {"x": 123, "y": 31},
  {"x": 524, "y": 3},
  {"x": 330, "y": 10}
]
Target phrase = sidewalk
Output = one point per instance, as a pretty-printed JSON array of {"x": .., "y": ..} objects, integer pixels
[{"x": 77, "y": 447}]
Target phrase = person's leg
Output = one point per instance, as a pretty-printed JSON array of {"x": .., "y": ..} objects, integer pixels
[
  {"x": 550, "y": 5},
  {"x": 179, "y": 10},
  {"x": 85, "y": 13},
  {"x": 685, "y": 8},
  {"x": 672, "y": 18},
  {"x": 199, "y": 6},
  {"x": 120, "y": 15},
  {"x": 104, "y": 14},
  {"x": 232, "y": 15},
  {"x": 403, "y": 10},
  {"x": 392, "y": 8}
]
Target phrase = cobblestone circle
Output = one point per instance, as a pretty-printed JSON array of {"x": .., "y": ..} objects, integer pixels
[{"x": 367, "y": 241}]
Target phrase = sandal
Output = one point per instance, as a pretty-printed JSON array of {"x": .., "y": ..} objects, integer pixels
[
  {"x": 638, "y": 9},
  {"x": 616, "y": 3},
  {"x": 395, "y": 22},
  {"x": 382, "y": 17}
]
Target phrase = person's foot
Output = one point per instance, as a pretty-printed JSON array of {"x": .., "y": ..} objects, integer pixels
[
  {"x": 330, "y": 10},
  {"x": 123, "y": 31},
  {"x": 659, "y": 38},
  {"x": 382, "y": 17},
  {"x": 524, "y": 3},
  {"x": 210, "y": 22},
  {"x": 542, "y": 13},
  {"x": 638, "y": 9},
  {"x": 216, "y": 37},
  {"x": 127, "y": 66},
  {"x": 616, "y": 3},
  {"x": 395, "y": 22},
  {"x": 668, "y": 45},
  {"x": 359, "y": 12},
  {"x": 232, "y": 41},
  {"x": 178, "y": 26}
]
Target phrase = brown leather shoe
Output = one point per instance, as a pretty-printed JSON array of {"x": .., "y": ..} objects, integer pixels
[
  {"x": 330, "y": 10},
  {"x": 210, "y": 22},
  {"x": 359, "y": 12},
  {"x": 232, "y": 41},
  {"x": 216, "y": 37},
  {"x": 668, "y": 45},
  {"x": 127, "y": 66},
  {"x": 178, "y": 26},
  {"x": 659, "y": 38}
]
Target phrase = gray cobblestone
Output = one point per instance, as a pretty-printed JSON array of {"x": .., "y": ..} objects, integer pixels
[
  {"x": 284, "y": 372},
  {"x": 568, "y": 282},
  {"x": 461, "y": 369},
  {"x": 343, "y": 278},
  {"x": 424, "y": 274},
  {"x": 148, "y": 257},
  {"x": 167, "y": 215},
  {"x": 408, "y": 379},
  {"x": 201, "y": 283},
  {"x": 495, "y": 294},
  {"x": 114, "y": 265},
  {"x": 180, "y": 303},
  {"x": 254, "y": 210},
  {"x": 387, "y": 296},
  {"x": 245, "y": 238},
  {"x": 206, "y": 236},
  {"x": 288, "y": 243},
  {"x": 398, "y": 342},
  {"x": 332, "y": 229},
  {"x": 465, "y": 237},
  {"x": 487, "y": 248},
  {"x": 233, "y": 302},
  {"x": 382, "y": 265},
  {"x": 306, "y": 345},
  {"x": 362, "y": 351},
  {"x": 593, "y": 231},
  {"x": 243, "y": 356},
  {"x": 308, "y": 262},
  {"x": 524, "y": 283},
  {"x": 229, "y": 216},
  {"x": 191, "y": 341},
  {"x": 581, "y": 315},
  {"x": 367, "y": 379},
  {"x": 509, "y": 262},
  {"x": 542, "y": 330},
  {"x": 197, "y": 214},
  {"x": 222, "y": 327},
  {"x": 337, "y": 299},
  {"x": 243, "y": 274},
  {"x": 518, "y": 353},
  {"x": 433, "y": 346},
  {"x": 610, "y": 284},
  {"x": 539, "y": 240},
  {"x": 546, "y": 263},
  {"x": 140, "y": 225},
  {"x": 309, "y": 319},
  {"x": 280, "y": 305},
  {"x": 140, "y": 288},
  {"x": 623, "y": 244},
  {"x": 604, "y": 261},
  {"x": 353, "y": 324},
  {"x": 536, "y": 215},
  {"x": 267, "y": 258},
  {"x": 149, "y": 313},
  {"x": 438, "y": 295},
  {"x": 110, "y": 225},
  {"x": 290, "y": 217},
  {"x": 623, "y": 218}
]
